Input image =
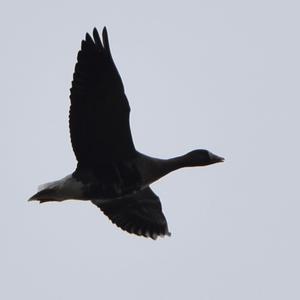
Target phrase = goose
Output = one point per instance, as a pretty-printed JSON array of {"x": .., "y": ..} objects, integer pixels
[{"x": 110, "y": 172}]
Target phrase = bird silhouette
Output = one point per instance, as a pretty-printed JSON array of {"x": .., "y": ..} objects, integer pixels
[{"x": 110, "y": 172}]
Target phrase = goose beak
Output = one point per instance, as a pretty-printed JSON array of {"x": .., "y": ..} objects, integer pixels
[{"x": 216, "y": 159}]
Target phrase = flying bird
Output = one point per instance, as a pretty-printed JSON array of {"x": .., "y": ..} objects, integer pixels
[{"x": 110, "y": 172}]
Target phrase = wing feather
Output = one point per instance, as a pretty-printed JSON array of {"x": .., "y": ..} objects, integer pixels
[
  {"x": 140, "y": 213},
  {"x": 99, "y": 112}
]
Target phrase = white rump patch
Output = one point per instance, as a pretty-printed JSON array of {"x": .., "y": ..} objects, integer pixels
[
  {"x": 65, "y": 188},
  {"x": 56, "y": 183},
  {"x": 48, "y": 185}
]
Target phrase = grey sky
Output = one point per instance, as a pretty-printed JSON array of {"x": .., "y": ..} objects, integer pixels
[{"x": 221, "y": 75}]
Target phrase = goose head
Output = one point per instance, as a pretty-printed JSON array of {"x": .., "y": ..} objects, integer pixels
[{"x": 202, "y": 157}]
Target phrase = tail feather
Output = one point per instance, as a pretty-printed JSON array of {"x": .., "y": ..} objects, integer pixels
[
  {"x": 59, "y": 190},
  {"x": 45, "y": 195}
]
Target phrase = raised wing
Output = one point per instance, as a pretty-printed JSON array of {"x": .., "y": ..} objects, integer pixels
[
  {"x": 99, "y": 112},
  {"x": 139, "y": 213}
]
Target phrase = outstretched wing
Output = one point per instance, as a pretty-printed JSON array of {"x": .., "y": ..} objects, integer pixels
[
  {"x": 99, "y": 112},
  {"x": 139, "y": 213}
]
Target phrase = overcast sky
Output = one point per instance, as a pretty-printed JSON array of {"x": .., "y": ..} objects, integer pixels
[{"x": 219, "y": 75}]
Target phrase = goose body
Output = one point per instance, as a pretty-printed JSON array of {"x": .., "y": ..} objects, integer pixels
[{"x": 110, "y": 172}]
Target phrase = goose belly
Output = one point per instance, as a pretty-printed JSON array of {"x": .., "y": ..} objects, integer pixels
[{"x": 109, "y": 181}]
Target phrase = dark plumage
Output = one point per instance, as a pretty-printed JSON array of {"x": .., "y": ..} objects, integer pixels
[{"x": 110, "y": 172}]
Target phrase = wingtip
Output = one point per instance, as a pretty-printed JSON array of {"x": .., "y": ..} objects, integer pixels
[
  {"x": 97, "y": 38},
  {"x": 95, "y": 31},
  {"x": 88, "y": 38},
  {"x": 105, "y": 39},
  {"x": 154, "y": 236},
  {"x": 104, "y": 34}
]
